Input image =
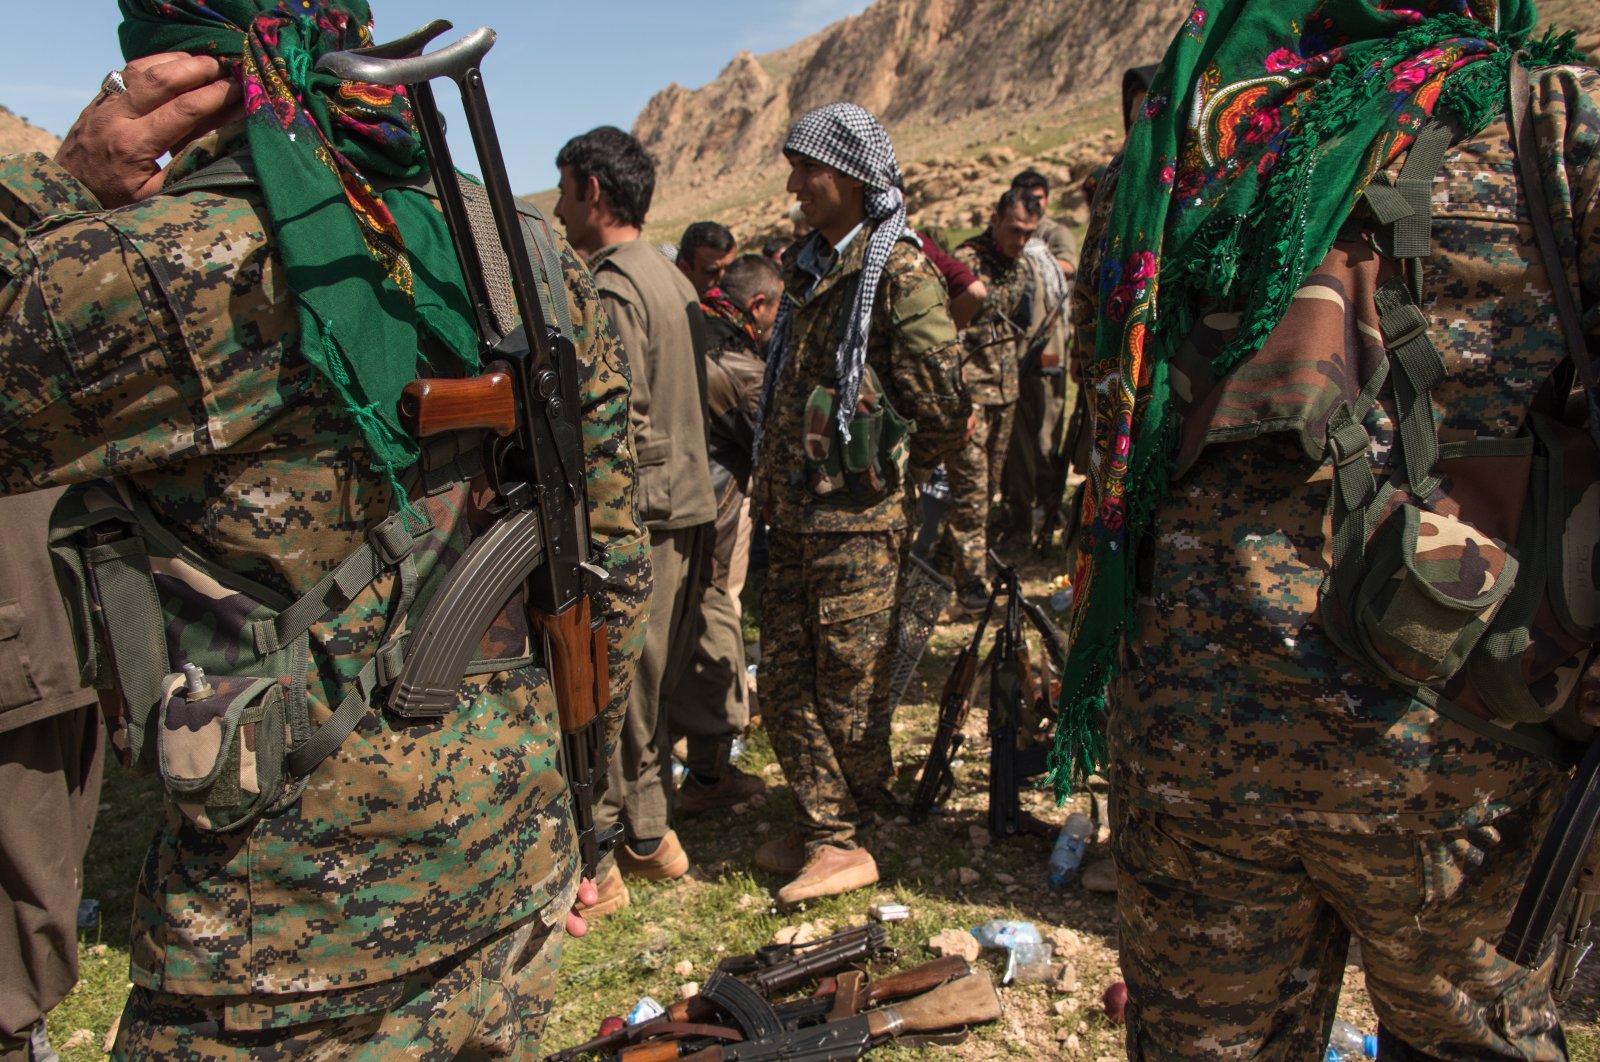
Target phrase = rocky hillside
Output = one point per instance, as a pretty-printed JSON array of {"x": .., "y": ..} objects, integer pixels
[
  {"x": 18, "y": 134},
  {"x": 971, "y": 90}
]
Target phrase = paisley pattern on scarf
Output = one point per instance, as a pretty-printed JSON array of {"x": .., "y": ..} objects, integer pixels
[{"x": 1263, "y": 123}]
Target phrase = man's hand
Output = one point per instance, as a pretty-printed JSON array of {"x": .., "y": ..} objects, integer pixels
[
  {"x": 172, "y": 98},
  {"x": 588, "y": 895},
  {"x": 972, "y": 425}
]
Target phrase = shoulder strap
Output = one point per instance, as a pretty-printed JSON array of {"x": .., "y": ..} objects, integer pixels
[{"x": 1526, "y": 148}]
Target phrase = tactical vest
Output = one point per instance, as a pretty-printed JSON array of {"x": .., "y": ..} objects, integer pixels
[
  {"x": 212, "y": 666},
  {"x": 1468, "y": 575}
]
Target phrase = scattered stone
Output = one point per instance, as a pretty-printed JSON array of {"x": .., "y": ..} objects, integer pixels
[
  {"x": 955, "y": 942},
  {"x": 1066, "y": 979},
  {"x": 684, "y": 968},
  {"x": 1063, "y": 1007},
  {"x": 968, "y": 876},
  {"x": 1005, "y": 879},
  {"x": 804, "y": 933},
  {"x": 689, "y": 989},
  {"x": 746, "y": 902},
  {"x": 1066, "y": 941},
  {"x": 81, "y": 1038}
]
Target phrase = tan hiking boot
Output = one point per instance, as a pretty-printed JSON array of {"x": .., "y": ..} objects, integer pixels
[
  {"x": 784, "y": 855},
  {"x": 668, "y": 861},
  {"x": 829, "y": 872},
  {"x": 734, "y": 787},
  {"x": 613, "y": 896}
]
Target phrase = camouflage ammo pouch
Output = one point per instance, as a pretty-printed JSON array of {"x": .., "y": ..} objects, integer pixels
[
  {"x": 872, "y": 464},
  {"x": 1469, "y": 576},
  {"x": 237, "y": 740}
]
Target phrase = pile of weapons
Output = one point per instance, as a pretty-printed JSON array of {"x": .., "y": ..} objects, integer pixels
[{"x": 741, "y": 1015}]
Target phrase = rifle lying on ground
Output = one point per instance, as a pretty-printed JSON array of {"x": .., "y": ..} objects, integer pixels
[
  {"x": 527, "y": 404},
  {"x": 959, "y": 1004},
  {"x": 755, "y": 1021},
  {"x": 771, "y": 970},
  {"x": 1018, "y": 701}
]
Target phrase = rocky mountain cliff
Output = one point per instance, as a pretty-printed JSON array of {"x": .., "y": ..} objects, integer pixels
[
  {"x": 971, "y": 91},
  {"x": 18, "y": 134},
  {"x": 944, "y": 76}
]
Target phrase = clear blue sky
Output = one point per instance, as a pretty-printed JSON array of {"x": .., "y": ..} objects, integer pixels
[{"x": 557, "y": 69}]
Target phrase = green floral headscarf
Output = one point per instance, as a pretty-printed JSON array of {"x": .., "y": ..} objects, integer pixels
[
  {"x": 1263, "y": 123},
  {"x": 372, "y": 269}
]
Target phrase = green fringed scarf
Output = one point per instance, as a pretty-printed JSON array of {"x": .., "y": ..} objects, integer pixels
[
  {"x": 1264, "y": 122},
  {"x": 371, "y": 271}
]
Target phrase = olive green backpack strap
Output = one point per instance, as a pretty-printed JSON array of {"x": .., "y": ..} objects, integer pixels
[
  {"x": 1404, "y": 207},
  {"x": 118, "y": 573},
  {"x": 1527, "y": 151}
]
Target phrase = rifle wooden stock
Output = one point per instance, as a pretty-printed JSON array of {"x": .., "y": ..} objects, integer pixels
[
  {"x": 849, "y": 990},
  {"x": 656, "y": 1051},
  {"x": 579, "y": 662},
  {"x": 970, "y": 1000},
  {"x": 435, "y": 406}
]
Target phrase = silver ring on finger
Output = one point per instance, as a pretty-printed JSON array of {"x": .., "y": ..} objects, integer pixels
[{"x": 112, "y": 85}]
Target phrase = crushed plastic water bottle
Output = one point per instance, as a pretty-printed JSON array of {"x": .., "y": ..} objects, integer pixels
[
  {"x": 1030, "y": 964},
  {"x": 736, "y": 750},
  {"x": 1346, "y": 1043},
  {"x": 997, "y": 933},
  {"x": 680, "y": 773},
  {"x": 1023, "y": 946},
  {"x": 1061, "y": 600},
  {"x": 644, "y": 1010},
  {"x": 1067, "y": 855}
]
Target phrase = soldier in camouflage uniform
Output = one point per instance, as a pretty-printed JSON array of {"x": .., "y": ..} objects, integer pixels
[
  {"x": 989, "y": 369},
  {"x": 1272, "y": 797},
  {"x": 859, "y": 295},
  {"x": 414, "y": 898}
]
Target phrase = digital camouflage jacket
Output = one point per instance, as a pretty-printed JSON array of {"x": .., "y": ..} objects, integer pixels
[
  {"x": 993, "y": 342},
  {"x": 1234, "y": 703},
  {"x": 157, "y": 343},
  {"x": 912, "y": 347}
]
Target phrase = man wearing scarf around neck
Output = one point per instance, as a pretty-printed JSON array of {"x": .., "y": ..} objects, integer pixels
[
  {"x": 232, "y": 356},
  {"x": 858, "y": 292},
  {"x": 1273, "y": 797}
]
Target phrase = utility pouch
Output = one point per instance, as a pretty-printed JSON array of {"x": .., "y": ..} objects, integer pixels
[
  {"x": 240, "y": 742},
  {"x": 1431, "y": 587},
  {"x": 872, "y": 464},
  {"x": 222, "y": 748}
]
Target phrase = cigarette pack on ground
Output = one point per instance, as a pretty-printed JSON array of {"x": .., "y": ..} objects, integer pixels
[{"x": 891, "y": 912}]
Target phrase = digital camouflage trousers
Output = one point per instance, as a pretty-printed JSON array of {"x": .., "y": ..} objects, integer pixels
[
  {"x": 1234, "y": 938},
  {"x": 488, "y": 1003},
  {"x": 975, "y": 482},
  {"x": 827, "y": 649}
]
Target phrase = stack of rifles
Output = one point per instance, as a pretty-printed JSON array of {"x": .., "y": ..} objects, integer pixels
[{"x": 740, "y": 1015}]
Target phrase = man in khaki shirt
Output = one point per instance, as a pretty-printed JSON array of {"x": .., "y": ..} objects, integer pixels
[{"x": 607, "y": 181}]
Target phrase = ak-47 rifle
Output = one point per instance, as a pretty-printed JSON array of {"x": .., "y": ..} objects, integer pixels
[
  {"x": 937, "y": 778},
  {"x": 526, "y": 403},
  {"x": 959, "y": 1004},
  {"x": 836, "y": 998},
  {"x": 769, "y": 971}
]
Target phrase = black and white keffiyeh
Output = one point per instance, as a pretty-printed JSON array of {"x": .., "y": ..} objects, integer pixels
[{"x": 848, "y": 138}]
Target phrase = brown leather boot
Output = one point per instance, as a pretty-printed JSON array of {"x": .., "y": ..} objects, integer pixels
[
  {"x": 734, "y": 787},
  {"x": 613, "y": 896},
  {"x": 830, "y": 871},
  {"x": 668, "y": 861},
  {"x": 784, "y": 855}
]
